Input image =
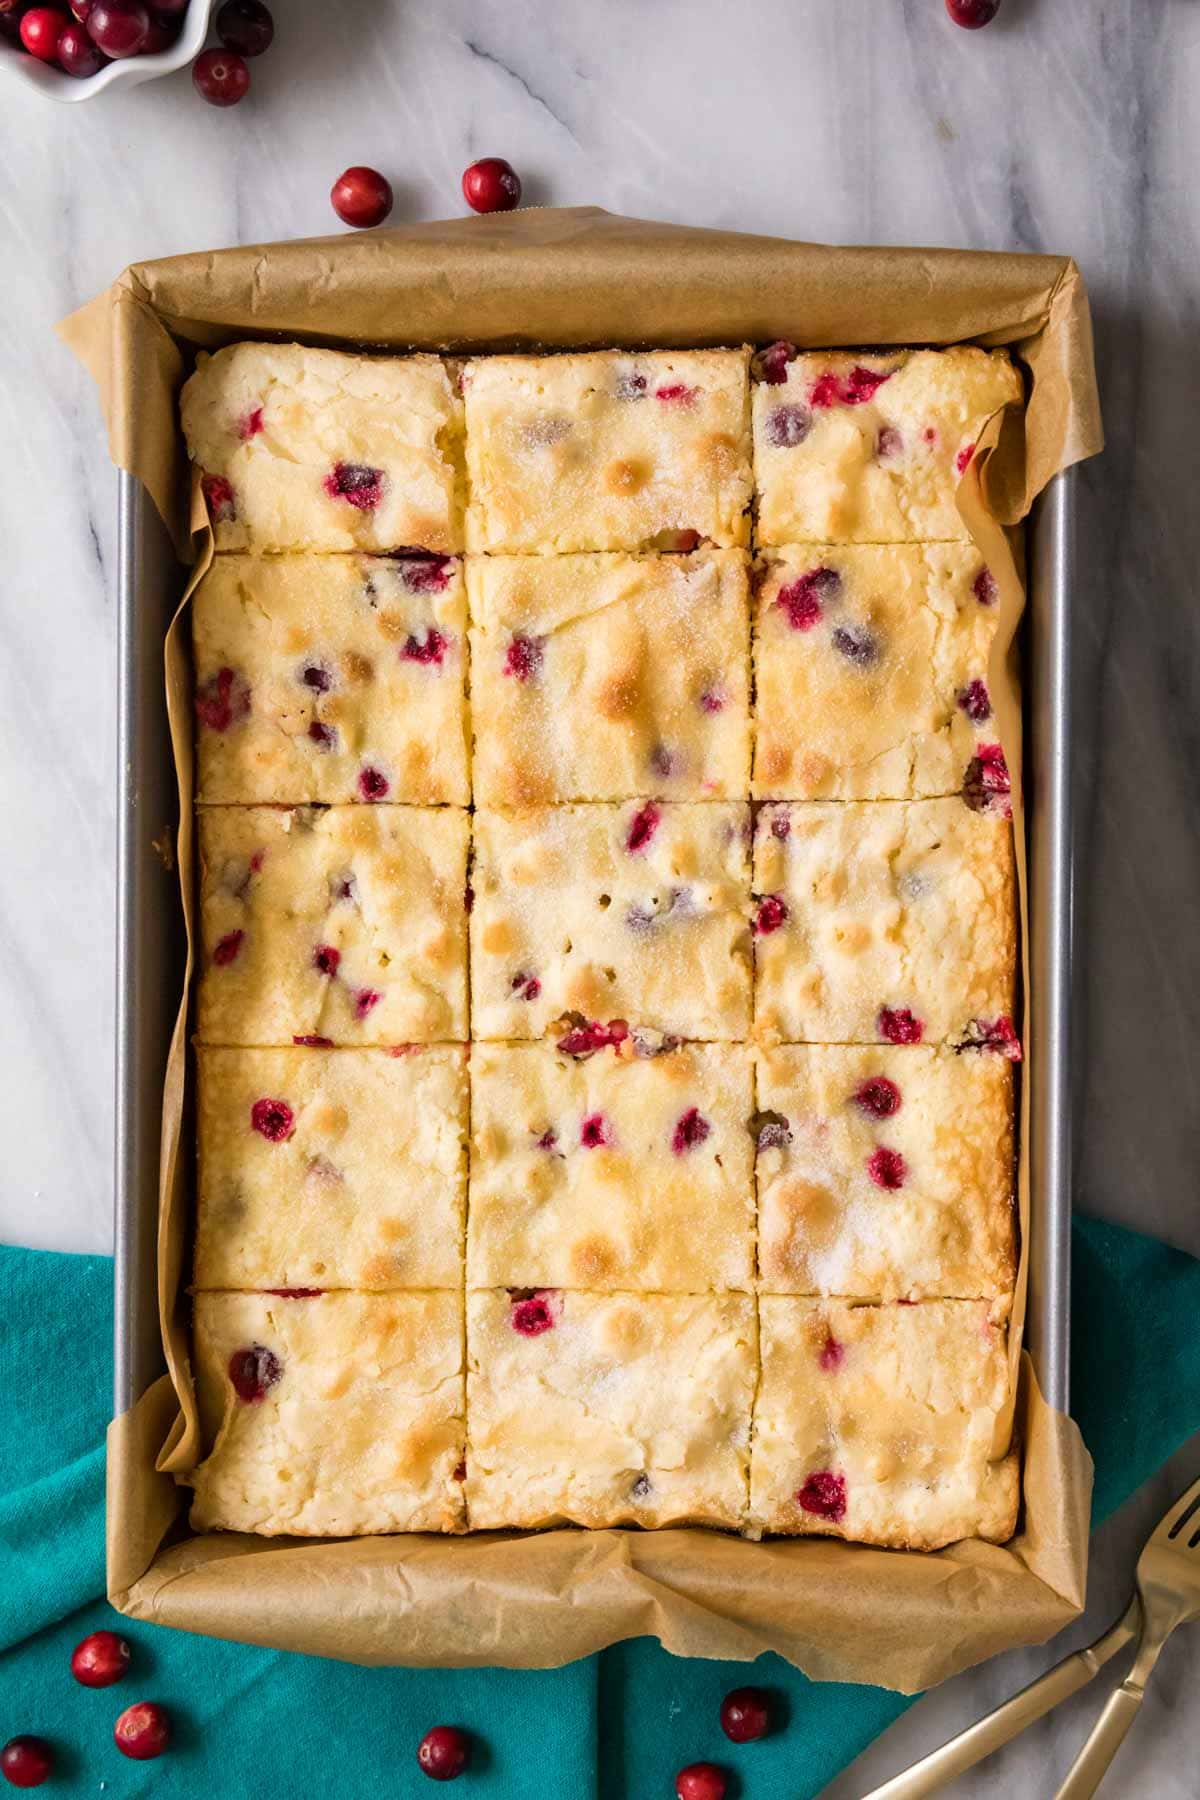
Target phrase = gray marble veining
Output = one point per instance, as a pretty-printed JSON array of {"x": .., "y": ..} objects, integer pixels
[{"x": 1069, "y": 125}]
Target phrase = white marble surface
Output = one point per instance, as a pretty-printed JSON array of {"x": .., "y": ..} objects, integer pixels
[{"x": 1070, "y": 125}]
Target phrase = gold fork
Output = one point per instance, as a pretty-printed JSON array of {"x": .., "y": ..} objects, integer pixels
[{"x": 1168, "y": 1594}]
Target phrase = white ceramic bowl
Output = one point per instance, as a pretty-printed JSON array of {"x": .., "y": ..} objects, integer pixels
[{"x": 128, "y": 72}]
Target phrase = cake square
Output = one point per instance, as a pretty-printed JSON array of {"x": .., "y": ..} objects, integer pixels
[
  {"x": 303, "y": 449},
  {"x": 854, "y": 447},
  {"x": 331, "y": 678},
  {"x": 638, "y": 912},
  {"x": 329, "y": 1415},
  {"x": 890, "y": 921},
  {"x": 604, "y": 677},
  {"x": 331, "y": 1168},
  {"x": 610, "y": 1170},
  {"x": 342, "y": 925},
  {"x": 885, "y": 1173},
  {"x": 870, "y": 665},
  {"x": 608, "y": 1409},
  {"x": 876, "y": 1423},
  {"x": 608, "y": 450}
]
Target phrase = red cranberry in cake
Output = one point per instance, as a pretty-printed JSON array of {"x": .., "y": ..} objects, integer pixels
[
  {"x": 491, "y": 185},
  {"x": 423, "y": 572},
  {"x": 677, "y": 393},
  {"x": 326, "y": 959},
  {"x": 886, "y": 1168},
  {"x": 547, "y": 1141},
  {"x": 643, "y": 827},
  {"x": 595, "y": 1132},
  {"x": 746, "y": 1715},
  {"x": 26, "y": 1761},
  {"x": 316, "y": 677},
  {"x": 356, "y": 483},
  {"x": 100, "y": 1659},
  {"x": 630, "y": 386},
  {"x": 322, "y": 735},
  {"x": 770, "y": 365},
  {"x": 586, "y": 1039},
  {"x": 898, "y": 1025},
  {"x": 856, "y": 644},
  {"x": 254, "y": 1372},
  {"x": 824, "y": 1495},
  {"x": 832, "y": 1355},
  {"x": 975, "y": 701},
  {"x": 771, "y": 1132},
  {"x": 771, "y": 914},
  {"x": 226, "y": 948},
  {"x": 879, "y": 1097},
  {"x": 701, "y": 1781},
  {"x": 523, "y": 658},
  {"x": 429, "y": 649},
  {"x": 985, "y": 588},
  {"x": 372, "y": 784},
  {"x": 222, "y": 699},
  {"x": 998, "y": 1035},
  {"x": 852, "y": 389},
  {"x": 889, "y": 444},
  {"x": 361, "y": 197},
  {"x": 310, "y": 1041},
  {"x": 781, "y": 826},
  {"x": 534, "y": 1313},
  {"x": 526, "y": 987},
  {"x": 364, "y": 1000},
  {"x": 250, "y": 424},
  {"x": 964, "y": 457},
  {"x": 273, "y": 1119},
  {"x": 803, "y": 599},
  {"x": 712, "y": 700},
  {"x": 787, "y": 426},
  {"x": 693, "y": 1128},
  {"x": 987, "y": 785}
]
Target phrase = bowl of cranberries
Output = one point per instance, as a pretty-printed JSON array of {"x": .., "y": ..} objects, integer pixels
[{"x": 74, "y": 49}]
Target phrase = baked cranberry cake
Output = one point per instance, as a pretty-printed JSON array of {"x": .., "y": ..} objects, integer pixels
[{"x": 606, "y": 945}]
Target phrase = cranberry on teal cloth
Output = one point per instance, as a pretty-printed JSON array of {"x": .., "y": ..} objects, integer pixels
[{"x": 249, "y": 1722}]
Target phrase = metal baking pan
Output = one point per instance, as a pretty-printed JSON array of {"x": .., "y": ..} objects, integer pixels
[{"x": 150, "y": 939}]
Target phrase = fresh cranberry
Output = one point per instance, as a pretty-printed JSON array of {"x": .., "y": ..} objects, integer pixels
[
  {"x": 975, "y": 701},
  {"x": 100, "y": 1659},
  {"x": 253, "y": 1372},
  {"x": 898, "y": 1025},
  {"x": 772, "y": 363},
  {"x": 26, "y": 1761},
  {"x": 879, "y": 1097},
  {"x": 691, "y": 1130},
  {"x": 971, "y": 14},
  {"x": 41, "y": 29},
  {"x": 372, "y": 784},
  {"x": 787, "y": 426},
  {"x": 491, "y": 185},
  {"x": 245, "y": 26},
  {"x": 226, "y": 948},
  {"x": 221, "y": 77},
  {"x": 803, "y": 599},
  {"x": 219, "y": 496},
  {"x": 595, "y": 1132},
  {"x": 985, "y": 588},
  {"x": 357, "y": 483},
  {"x": 643, "y": 827},
  {"x": 526, "y": 987},
  {"x": 273, "y": 1119},
  {"x": 824, "y": 1494},
  {"x": 888, "y": 444},
  {"x": 162, "y": 34},
  {"x": 77, "y": 55},
  {"x": 143, "y": 1730},
  {"x": 887, "y": 1168},
  {"x": 326, "y": 959},
  {"x": 443, "y": 1753},
  {"x": 700, "y": 1781},
  {"x": 677, "y": 393},
  {"x": 523, "y": 658},
  {"x": 963, "y": 458},
  {"x": 81, "y": 9},
  {"x": 987, "y": 785},
  {"x": 361, "y": 196},
  {"x": 856, "y": 644},
  {"x": 535, "y": 1313},
  {"x": 119, "y": 27},
  {"x": 429, "y": 649},
  {"x": 310, "y": 1041},
  {"x": 772, "y": 911},
  {"x": 833, "y": 1354},
  {"x": 826, "y": 390},
  {"x": 745, "y": 1715}
]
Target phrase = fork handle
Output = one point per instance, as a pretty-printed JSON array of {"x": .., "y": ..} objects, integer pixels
[
  {"x": 1090, "y": 1766},
  {"x": 1008, "y": 1721}
]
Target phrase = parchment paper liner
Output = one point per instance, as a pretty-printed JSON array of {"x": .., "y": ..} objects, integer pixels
[{"x": 567, "y": 279}]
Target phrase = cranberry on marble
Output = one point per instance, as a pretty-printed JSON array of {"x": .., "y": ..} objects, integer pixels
[
  {"x": 824, "y": 1495},
  {"x": 677, "y": 393},
  {"x": 26, "y": 1761},
  {"x": 692, "y": 1129},
  {"x": 701, "y": 1781},
  {"x": 878, "y": 1096},
  {"x": 226, "y": 948},
  {"x": 972, "y": 14},
  {"x": 253, "y": 1372},
  {"x": 888, "y": 444},
  {"x": 975, "y": 701},
  {"x": 803, "y": 600},
  {"x": 746, "y": 1715},
  {"x": 887, "y": 1168},
  {"x": 523, "y": 658},
  {"x": 534, "y": 1313},
  {"x": 361, "y": 197},
  {"x": 642, "y": 827},
  {"x": 985, "y": 588},
  {"x": 595, "y": 1132},
  {"x": 365, "y": 1000},
  {"x": 100, "y": 1659},
  {"x": 856, "y": 644},
  {"x": 245, "y": 26},
  {"x": 372, "y": 784},
  {"x": 443, "y": 1753},
  {"x": 78, "y": 56},
  {"x": 430, "y": 649},
  {"x": 899, "y": 1025},
  {"x": 772, "y": 911},
  {"x": 787, "y": 426},
  {"x": 273, "y": 1119},
  {"x": 143, "y": 1730},
  {"x": 832, "y": 1354},
  {"x": 771, "y": 364},
  {"x": 219, "y": 496},
  {"x": 491, "y": 185},
  {"x": 326, "y": 959},
  {"x": 221, "y": 77}
]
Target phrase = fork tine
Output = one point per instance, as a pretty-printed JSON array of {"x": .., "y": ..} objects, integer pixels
[{"x": 1178, "y": 1516}]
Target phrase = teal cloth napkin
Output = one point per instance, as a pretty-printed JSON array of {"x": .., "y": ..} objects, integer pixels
[{"x": 270, "y": 1726}]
